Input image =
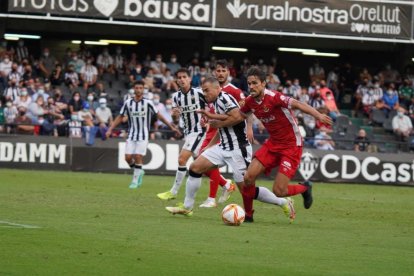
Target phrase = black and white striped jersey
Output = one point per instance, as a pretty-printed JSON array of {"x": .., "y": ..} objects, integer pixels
[
  {"x": 233, "y": 137},
  {"x": 189, "y": 103},
  {"x": 139, "y": 118}
]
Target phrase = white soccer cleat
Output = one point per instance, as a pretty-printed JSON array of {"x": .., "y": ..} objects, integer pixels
[
  {"x": 227, "y": 193},
  {"x": 209, "y": 203}
]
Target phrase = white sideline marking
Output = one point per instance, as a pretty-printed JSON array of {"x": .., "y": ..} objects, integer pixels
[{"x": 16, "y": 225}]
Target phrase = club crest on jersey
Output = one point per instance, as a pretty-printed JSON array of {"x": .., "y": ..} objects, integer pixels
[
  {"x": 266, "y": 109},
  {"x": 241, "y": 103},
  {"x": 308, "y": 165}
]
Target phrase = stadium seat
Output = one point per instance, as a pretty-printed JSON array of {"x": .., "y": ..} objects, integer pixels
[
  {"x": 378, "y": 116},
  {"x": 388, "y": 125},
  {"x": 392, "y": 114},
  {"x": 357, "y": 121}
]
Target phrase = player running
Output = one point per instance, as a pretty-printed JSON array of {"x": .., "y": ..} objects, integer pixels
[
  {"x": 234, "y": 150},
  {"x": 186, "y": 102},
  {"x": 139, "y": 112},
  {"x": 283, "y": 149}
]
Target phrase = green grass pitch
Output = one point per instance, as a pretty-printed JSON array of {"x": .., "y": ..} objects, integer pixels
[{"x": 92, "y": 224}]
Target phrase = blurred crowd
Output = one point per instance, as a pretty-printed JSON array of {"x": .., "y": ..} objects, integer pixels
[{"x": 78, "y": 94}]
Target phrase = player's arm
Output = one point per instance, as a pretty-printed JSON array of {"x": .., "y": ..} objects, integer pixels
[
  {"x": 167, "y": 123},
  {"x": 304, "y": 107},
  {"x": 212, "y": 116},
  {"x": 213, "y": 141},
  {"x": 234, "y": 116},
  {"x": 249, "y": 128},
  {"x": 114, "y": 124}
]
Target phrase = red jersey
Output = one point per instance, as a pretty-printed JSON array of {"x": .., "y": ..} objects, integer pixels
[
  {"x": 237, "y": 94},
  {"x": 275, "y": 112}
]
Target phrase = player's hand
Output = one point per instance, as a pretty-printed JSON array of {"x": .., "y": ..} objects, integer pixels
[
  {"x": 175, "y": 111},
  {"x": 176, "y": 130},
  {"x": 250, "y": 135},
  {"x": 325, "y": 119},
  {"x": 204, "y": 112}
]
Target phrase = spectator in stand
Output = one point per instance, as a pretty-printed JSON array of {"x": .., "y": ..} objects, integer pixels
[
  {"x": 92, "y": 101},
  {"x": 22, "y": 52},
  {"x": 390, "y": 99},
  {"x": 119, "y": 61},
  {"x": 316, "y": 100},
  {"x": 158, "y": 65},
  {"x": 100, "y": 91},
  {"x": 365, "y": 75},
  {"x": 89, "y": 75},
  {"x": 304, "y": 96},
  {"x": 37, "y": 110},
  {"x": 137, "y": 73},
  {"x": 316, "y": 72},
  {"x": 332, "y": 81},
  {"x": 362, "y": 89},
  {"x": 131, "y": 63},
  {"x": 173, "y": 65},
  {"x": 12, "y": 92},
  {"x": 368, "y": 102},
  {"x": 47, "y": 63},
  {"x": 40, "y": 92},
  {"x": 10, "y": 114},
  {"x": 55, "y": 117},
  {"x": 1, "y": 115},
  {"x": 323, "y": 141},
  {"x": 312, "y": 88},
  {"x": 5, "y": 68},
  {"x": 71, "y": 78},
  {"x": 67, "y": 57},
  {"x": 347, "y": 79},
  {"x": 272, "y": 81},
  {"x": 14, "y": 74},
  {"x": 194, "y": 69},
  {"x": 406, "y": 93},
  {"x": 324, "y": 89},
  {"x": 57, "y": 77},
  {"x": 24, "y": 99},
  {"x": 105, "y": 62},
  {"x": 378, "y": 92},
  {"x": 330, "y": 103},
  {"x": 103, "y": 117},
  {"x": 76, "y": 103},
  {"x": 169, "y": 82},
  {"x": 75, "y": 127},
  {"x": 85, "y": 115},
  {"x": 149, "y": 80},
  {"x": 321, "y": 126},
  {"x": 297, "y": 89},
  {"x": 24, "y": 124},
  {"x": 6, "y": 49},
  {"x": 288, "y": 89},
  {"x": 77, "y": 63},
  {"x": 28, "y": 73},
  {"x": 401, "y": 124},
  {"x": 361, "y": 142},
  {"x": 60, "y": 101},
  {"x": 389, "y": 75},
  {"x": 130, "y": 94}
]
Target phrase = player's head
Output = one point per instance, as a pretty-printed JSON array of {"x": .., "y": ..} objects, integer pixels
[
  {"x": 211, "y": 89},
  {"x": 222, "y": 71},
  {"x": 139, "y": 88},
  {"x": 256, "y": 81},
  {"x": 183, "y": 79}
]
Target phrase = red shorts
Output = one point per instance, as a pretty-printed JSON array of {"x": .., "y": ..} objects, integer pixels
[{"x": 287, "y": 160}]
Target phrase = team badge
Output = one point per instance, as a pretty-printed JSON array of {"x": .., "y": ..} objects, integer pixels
[
  {"x": 308, "y": 165},
  {"x": 266, "y": 109}
]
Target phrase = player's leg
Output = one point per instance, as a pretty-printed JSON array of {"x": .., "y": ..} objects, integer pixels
[
  {"x": 139, "y": 152},
  {"x": 130, "y": 159},
  {"x": 216, "y": 180}
]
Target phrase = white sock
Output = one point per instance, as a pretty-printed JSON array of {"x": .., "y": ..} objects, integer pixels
[
  {"x": 191, "y": 188},
  {"x": 137, "y": 172},
  {"x": 179, "y": 176},
  {"x": 266, "y": 196}
]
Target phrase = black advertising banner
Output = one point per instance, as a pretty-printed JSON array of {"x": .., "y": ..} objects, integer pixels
[
  {"x": 188, "y": 12},
  {"x": 333, "y": 17}
]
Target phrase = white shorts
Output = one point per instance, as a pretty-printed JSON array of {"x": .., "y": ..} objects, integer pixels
[
  {"x": 136, "y": 147},
  {"x": 238, "y": 159},
  {"x": 193, "y": 142}
]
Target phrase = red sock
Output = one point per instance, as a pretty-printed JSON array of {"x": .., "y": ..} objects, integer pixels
[
  {"x": 296, "y": 189},
  {"x": 222, "y": 181},
  {"x": 214, "y": 176},
  {"x": 248, "y": 193}
]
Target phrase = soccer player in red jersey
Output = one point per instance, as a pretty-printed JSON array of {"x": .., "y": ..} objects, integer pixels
[
  {"x": 222, "y": 73},
  {"x": 283, "y": 149}
]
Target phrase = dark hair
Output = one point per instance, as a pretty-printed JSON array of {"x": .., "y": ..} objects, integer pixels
[
  {"x": 256, "y": 71},
  {"x": 223, "y": 63},
  {"x": 183, "y": 70},
  {"x": 140, "y": 82},
  {"x": 211, "y": 80}
]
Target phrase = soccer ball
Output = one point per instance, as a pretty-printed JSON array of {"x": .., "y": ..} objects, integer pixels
[{"x": 233, "y": 215}]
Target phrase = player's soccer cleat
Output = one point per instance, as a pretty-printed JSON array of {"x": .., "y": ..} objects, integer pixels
[
  {"x": 133, "y": 185},
  {"x": 166, "y": 196},
  {"x": 307, "y": 195},
  {"x": 249, "y": 219},
  {"x": 180, "y": 210},
  {"x": 289, "y": 210},
  {"x": 209, "y": 203},
  {"x": 140, "y": 177},
  {"x": 227, "y": 193}
]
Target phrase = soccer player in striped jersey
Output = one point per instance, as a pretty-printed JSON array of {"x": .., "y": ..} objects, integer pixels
[
  {"x": 139, "y": 111},
  {"x": 186, "y": 102},
  {"x": 234, "y": 150},
  {"x": 222, "y": 74},
  {"x": 283, "y": 149}
]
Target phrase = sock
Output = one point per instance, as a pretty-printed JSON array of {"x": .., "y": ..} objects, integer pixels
[
  {"x": 137, "y": 172},
  {"x": 248, "y": 193},
  {"x": 266, "y": 196},
  {"x": 222, "y": 181},
  {"x": 179, "y": 176},
  {"x": 296, "y": 189},
  {"x": 191, "y": 188},
  {"x": 214, "y": 176}
]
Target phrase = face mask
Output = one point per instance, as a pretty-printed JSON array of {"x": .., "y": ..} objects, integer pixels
[
  {"x": 400, "y": 114},
  {"x": 103, "y": 105},
  {"x": 41, "y": 121},
  {"x": 46, "y": 54},
  {"x": 376, "y": 85},
  {"x": 389, "y": 92},
  {"x": 6, "y": 60},
  {"x": 75, "y": 58},
  {"x": 173, "y": 60},
  {"x": 74, "y": 117},
  {"x": 156, "y": 101},
  {"x": 76, "y": 98},
  {"x": 40, "y": 91},
  {"x": 131, "y": 91},
  {"x": 296, "y": 83},
  {"x": 8, "y": 104},
  {"x": 168, "y": 106},
  {"x": 90, "y": 98},
  {"x": 24, "y": 93},
  {"x": 329, "y": 98},
  {"x": 158, "y": 59},
  {"x": 323, "y": 133}
]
